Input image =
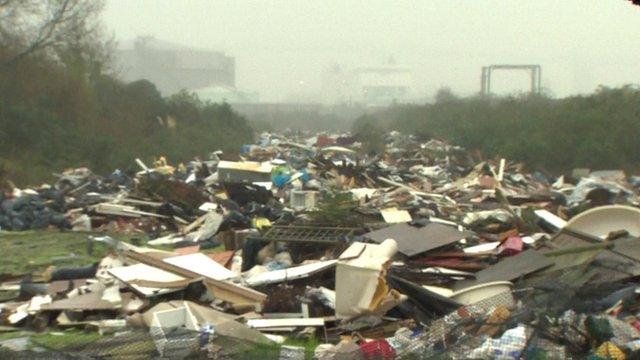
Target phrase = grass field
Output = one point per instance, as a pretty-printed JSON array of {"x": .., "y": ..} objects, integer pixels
[{"x": 33, "y": 251}]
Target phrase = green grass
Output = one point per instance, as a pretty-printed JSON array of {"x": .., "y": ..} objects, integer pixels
[
  {"x": 8, "y": 335},
  {"x": 136, "y": 349},
  {"x": 33, "y": 251},
  {"x": 55, "y": 340},
  {"x": 217, "y": 249},
  {"x": 309, "y": 345},
  {"x": 93, "y": 344},
  {"x": 72, "y": 339}
]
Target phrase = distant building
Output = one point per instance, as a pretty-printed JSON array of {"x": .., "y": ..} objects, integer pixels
[
  {"x": 173, "y": 67},
  {"x": 384, "y": 85},
  {"x": 230, "y": 95},
  {"x": 371, "y": 86}
]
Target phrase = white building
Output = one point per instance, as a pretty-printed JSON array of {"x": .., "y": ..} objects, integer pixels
[{"x": 373, "y": 86}]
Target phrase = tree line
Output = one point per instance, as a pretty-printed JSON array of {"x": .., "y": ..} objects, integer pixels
[
  {"x": 598, "y": 131},
  {"x": 62, "y": 104}
]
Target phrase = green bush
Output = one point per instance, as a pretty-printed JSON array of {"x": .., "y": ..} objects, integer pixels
[
  {"x": 598, "y": 131},
  {"x": 112, "y": 125}
]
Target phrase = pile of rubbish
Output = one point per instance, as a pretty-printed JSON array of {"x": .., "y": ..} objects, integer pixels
[{"x": 424, "y": 250}]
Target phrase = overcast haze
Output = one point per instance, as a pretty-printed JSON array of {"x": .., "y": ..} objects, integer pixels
[{"x": 282, "y": 47}]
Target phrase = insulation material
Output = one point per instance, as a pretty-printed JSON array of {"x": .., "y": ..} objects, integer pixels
[
  {"x": 394, "y": 216},
  {"x": 361, "y": 287},
  {"x": 296, "y": 272},
  {"x": 201, "y": 264},
  {"x": 278, "y": 323},
  {"x": 145, "y": 274}
]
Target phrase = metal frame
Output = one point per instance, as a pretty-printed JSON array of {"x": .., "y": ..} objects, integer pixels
[
  {"x": 536, "y": 76},
  {"x": 306, "y": 234}
]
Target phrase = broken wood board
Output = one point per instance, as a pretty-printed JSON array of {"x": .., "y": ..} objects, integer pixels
[
  {"x": 235, "y": 294},
  {"x": 93, "y": 300},
  {"x": 222, "y": 290}
]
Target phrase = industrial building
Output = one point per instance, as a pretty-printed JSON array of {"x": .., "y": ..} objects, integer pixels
[{"x": 173, "y": 67}]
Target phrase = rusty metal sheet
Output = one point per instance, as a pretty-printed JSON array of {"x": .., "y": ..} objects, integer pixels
[
  {"x": 625, "y": 250},
  {"x": 223, "y": 258},
  {"x": 509, "y": 269},
  {"x": 629, "y": 247}
]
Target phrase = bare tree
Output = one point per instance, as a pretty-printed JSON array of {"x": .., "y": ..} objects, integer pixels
[{"x": 30, "y": 26}]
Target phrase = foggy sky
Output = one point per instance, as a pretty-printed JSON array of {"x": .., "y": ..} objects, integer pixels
[{"x": 282, "y": 47}]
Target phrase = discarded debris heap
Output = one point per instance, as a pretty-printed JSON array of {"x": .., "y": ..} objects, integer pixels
[{"x": 304, "y": 246}]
